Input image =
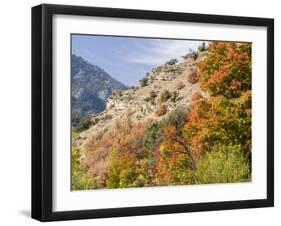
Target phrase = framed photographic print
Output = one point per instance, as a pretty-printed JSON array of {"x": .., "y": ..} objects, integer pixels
[{"x": 145, "y": 112}]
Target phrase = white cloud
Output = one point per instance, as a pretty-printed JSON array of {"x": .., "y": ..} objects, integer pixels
[{"x": 157, "y": 52}]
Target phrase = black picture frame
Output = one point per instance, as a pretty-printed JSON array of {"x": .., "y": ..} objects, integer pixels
[{"x": 42, "y": 111}]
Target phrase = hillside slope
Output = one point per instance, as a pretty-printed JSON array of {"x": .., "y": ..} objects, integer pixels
[{"x": 167, "y": 88}]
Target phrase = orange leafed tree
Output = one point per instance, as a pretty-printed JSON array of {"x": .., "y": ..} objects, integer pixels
[
  {"x": 222, "y": 122},
  {"x": 227, "y": 69}
]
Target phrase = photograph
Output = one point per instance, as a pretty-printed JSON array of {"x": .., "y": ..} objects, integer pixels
[{"x": 149, "y": 111}]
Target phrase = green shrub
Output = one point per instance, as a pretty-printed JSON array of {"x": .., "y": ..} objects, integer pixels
[
  {"x": 147, "y": 99},
  {"x": 165, "y": 95},
  {"x": 225, "y": 164},
  {"x": 191, "y": 55},
  {"x": 177, "y": 118},
  {"x": 79, "y": 178},
  {"x": 152, "y": 95},
  {"x": 107, "y": 117},
  {"x": 153, "y": 136},
  {"x": 83, "y": 124},
  {"x": 121, "y": 173},
  {"x": 144, "y": 82},
  {"x": 174, "y": 96},
  {"x": 171, "y": 62}
]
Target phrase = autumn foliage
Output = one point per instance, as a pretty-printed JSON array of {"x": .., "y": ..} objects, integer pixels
[
  {"x": 220, "y": 126},
  {"x": 227, "y": 69},
  {"x": 208, "y": 143}
]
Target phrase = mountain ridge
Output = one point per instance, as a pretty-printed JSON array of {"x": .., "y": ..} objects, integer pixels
[{"x": 91, "y": 86}]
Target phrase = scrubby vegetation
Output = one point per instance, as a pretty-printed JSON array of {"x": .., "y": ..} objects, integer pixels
[
  {"x": 151, "y": 97},
  {"x": 80, "y": 179},
  {"x": 171, "y": 62},
  {"x": 83, "y": 124},
  {"x": 192, "y": 55},
  {"x": 174, "y": 96},
  {"x": 144, "y": 82},
  {"x": 165, "y": 95},
  {"x": 208, "y": 142}
]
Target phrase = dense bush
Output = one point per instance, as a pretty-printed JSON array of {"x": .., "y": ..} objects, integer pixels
[
  {"x": 174, "y": 96},
  {"x": 177, "y": 118},
  {"x": 153, "y": 136},
  {"x": 144, "y": 82},
  {"x": 107, "y": 117},
  {"x": 165, "y": 95},
  {"x": 224, "y": 164},
  {"x": 128, "y": 163},
  {"x": 220, "y": 121},
  {"x": 151, "y": 97},
  {"x": 154, "y": 133},
  {"x": 171, "y": 62},
  {"x": 122, "y": 170},
  {"x": 83, "y": 124},
  {"x": 227, "y": 70}
]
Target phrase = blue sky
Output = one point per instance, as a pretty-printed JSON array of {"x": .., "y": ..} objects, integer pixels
[{"x": 128, "y": 59}]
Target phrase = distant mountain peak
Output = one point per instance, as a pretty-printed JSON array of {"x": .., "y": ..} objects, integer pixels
[{"x": 91, "y": 86}]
